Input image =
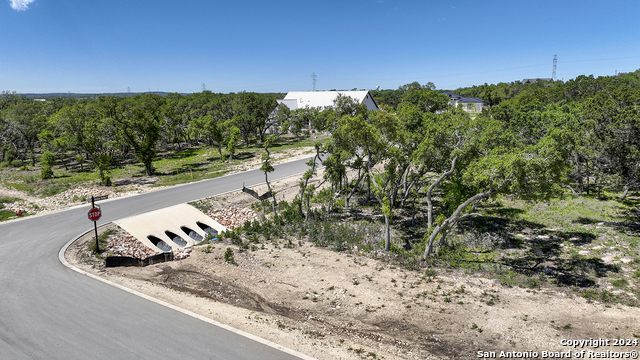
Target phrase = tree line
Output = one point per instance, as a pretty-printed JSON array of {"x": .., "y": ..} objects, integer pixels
[
  {"x": 111, "y": 129},
  {"x": 543, "y": 140},
  {"x": 532, "y": 141}
]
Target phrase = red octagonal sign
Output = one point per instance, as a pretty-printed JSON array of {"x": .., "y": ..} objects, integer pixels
[{"x": 95, "y": 214}]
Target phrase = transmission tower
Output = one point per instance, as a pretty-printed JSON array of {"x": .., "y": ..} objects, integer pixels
[
  {"x": 204, "y": 86},
  {"x": 555, "y": 63},
  {"x": 313, "y": 76}
]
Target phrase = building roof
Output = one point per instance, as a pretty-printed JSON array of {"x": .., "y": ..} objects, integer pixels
[
  {"x": 531, "y": 81},
  {"x": 462, "y": 99},
  {"x": 318, "y": 99}
]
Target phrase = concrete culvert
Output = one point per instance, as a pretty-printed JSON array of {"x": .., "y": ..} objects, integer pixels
[
  {"x": 192, "y": 234},
  {"x": 159, "y": 243},
  {"x": 208, "y": 229}
]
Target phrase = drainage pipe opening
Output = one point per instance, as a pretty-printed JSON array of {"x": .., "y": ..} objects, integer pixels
[
  {"x": 192, "y": 234},
  {"x": 159, "y": 243},
  {"x": 207, "y": 229},
  {"x": 176, "y": 239}
]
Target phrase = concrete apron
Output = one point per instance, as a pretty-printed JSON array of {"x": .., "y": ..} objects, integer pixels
[{"x": 171, "y": 219}]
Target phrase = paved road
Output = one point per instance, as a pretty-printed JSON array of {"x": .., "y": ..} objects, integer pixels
[{"x": 48, "y": 311}]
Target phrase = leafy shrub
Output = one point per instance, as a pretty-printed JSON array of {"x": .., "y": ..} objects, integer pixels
[
  {"x": 512, "y": 278},
  {"x": 620, "y": 283},
  {"x": 54, "y": 189},
  {"x": 48, "y": 160},
  {"x": 288, "y": 212},
  {"x": 431, "y": 273},
  {"x": 235, "y": 238},
  {"x": 228, "y": 257},
  {"x": 9, "y": 157},
  {"x": 603, "y": 296},
  {"x": 102, "y": 241}
]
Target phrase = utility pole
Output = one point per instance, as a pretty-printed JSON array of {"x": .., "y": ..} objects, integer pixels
[
  {"x": 555, "y": 63},
  {"x": 313, "y": 76}
]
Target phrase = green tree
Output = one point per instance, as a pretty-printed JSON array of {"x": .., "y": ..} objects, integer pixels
[
  {"x": 84, "y": 127},
  {"x": 232, "y": 138},
  {"x": 490, "y": 162},
  {"x": 211, "y": 129},
  {"x": 251, "y": 113},
  {"x": 376, "y": 140},
  {"x": 177, "y": 111},
  {"x": 306, "y": 189},
  {"x": 282, "y": 117},
  {"x": 266, "y": 168},
  {"x": 138, "y": 120},
  {"x": 25, "y": 119},
  {"x": 425, "y": 99}
]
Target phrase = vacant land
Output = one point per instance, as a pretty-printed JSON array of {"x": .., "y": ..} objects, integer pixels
[
  {"x": 354, "y": 304},
  {"x": 521, "y": 277},
  {"x": 22, "y": 188}
]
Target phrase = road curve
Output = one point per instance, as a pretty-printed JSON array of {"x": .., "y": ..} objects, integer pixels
[{"x": 48, "y": 311}]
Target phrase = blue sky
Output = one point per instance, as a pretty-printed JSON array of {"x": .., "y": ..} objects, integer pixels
[{"x": 87, "y": 46}]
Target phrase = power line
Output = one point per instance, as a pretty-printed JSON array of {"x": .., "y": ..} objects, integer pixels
[
  {"x": 620, "y": 58},
  {"x": 480, "y": 72}
]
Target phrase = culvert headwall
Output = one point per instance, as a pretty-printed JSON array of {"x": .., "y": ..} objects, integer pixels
[{"x": 162, "y": 224}]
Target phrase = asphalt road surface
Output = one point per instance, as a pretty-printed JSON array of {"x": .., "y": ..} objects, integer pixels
[{"x": 48, "y": 311}]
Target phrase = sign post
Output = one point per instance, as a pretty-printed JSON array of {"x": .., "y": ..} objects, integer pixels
[
  {"x": 96, "y": 198},
  {"x": 94, "y": 215}
]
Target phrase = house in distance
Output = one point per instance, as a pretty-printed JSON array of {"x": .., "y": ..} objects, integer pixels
[
  {"x": 533, "y": 81},
  {"x": 468, "y": 104},
  {"x": 321, "y": 99}
]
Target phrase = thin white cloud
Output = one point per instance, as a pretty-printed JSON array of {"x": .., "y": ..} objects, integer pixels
[{"x": 20, "y": 5}]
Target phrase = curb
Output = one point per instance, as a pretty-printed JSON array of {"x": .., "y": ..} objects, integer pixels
[{"x": 173, "y": 307}]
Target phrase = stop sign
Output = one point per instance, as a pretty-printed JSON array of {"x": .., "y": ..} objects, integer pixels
[{"x": 95, "y": 214}]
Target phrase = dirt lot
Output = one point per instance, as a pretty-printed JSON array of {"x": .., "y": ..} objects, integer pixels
[{"x": 346, "y": 305}]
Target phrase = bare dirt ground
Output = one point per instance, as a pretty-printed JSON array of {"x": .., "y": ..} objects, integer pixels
[{"x": 346, "y": 305}]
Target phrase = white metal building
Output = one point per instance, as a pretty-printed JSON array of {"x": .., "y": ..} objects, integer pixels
[{"x": 320, "y": 99}]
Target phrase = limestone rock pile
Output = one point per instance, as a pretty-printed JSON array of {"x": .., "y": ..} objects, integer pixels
[
  {"x": 83, "y": 193},
  {"x": 127, "y": 245},
  {"x": 232, "y": 217},
  {"x": 182, "y": 253}
]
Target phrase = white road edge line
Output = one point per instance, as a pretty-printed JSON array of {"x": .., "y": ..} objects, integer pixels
[{"x": 176, "y": 308}]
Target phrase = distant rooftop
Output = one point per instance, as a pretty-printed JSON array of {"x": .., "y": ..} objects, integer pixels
[
  {"x": 319, "y": 99},
  {"x": 462, "y": 99},
  {"x": 531, "y": 81}
]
